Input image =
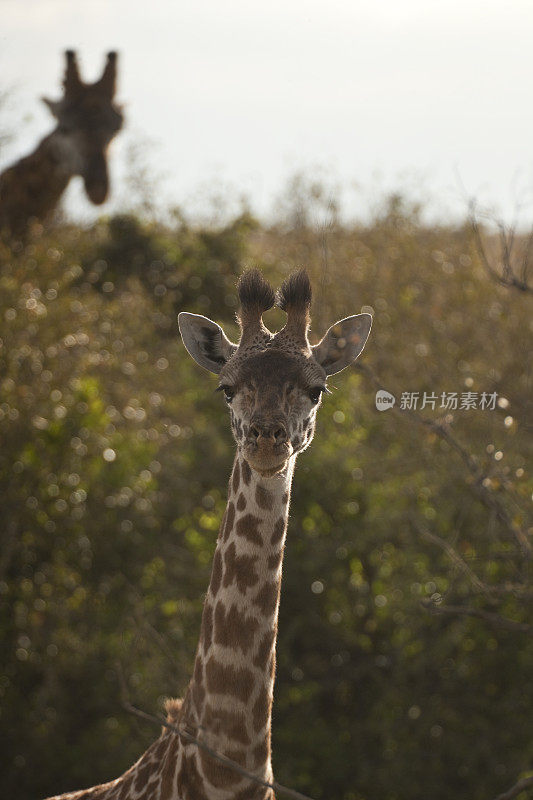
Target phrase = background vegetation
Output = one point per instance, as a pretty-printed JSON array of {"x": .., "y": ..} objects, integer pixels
[{"x": 405, "y": 650}]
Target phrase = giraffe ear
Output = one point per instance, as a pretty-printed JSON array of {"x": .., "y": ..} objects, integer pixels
[
  {"x": 52, "y": 105},
  {"x": 205, "y": 341},
  {"x": 343, "y": 343}
]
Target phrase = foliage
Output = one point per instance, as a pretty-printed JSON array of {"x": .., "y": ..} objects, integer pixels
[{"x": 113, "y": 464}]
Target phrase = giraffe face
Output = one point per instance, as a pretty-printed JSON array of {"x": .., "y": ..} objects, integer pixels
[
  {"x": 273, "y": 382},
  {"x": 87, "y": 121},
  {"x": 273, "y": 398},
  {"x": 86, "y": 130}
]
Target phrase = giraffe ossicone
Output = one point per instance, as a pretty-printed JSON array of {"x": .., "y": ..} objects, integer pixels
[
  {"x": 273, "y": 385},
  {"x": 87, "y": 120}
]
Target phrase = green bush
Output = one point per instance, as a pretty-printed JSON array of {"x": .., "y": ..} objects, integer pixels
[{"x": 114, "y": 458}]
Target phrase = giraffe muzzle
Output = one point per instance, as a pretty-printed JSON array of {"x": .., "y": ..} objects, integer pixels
[
  {"x": 96, "y": 179},
  {"x": 267, "y": 447}
]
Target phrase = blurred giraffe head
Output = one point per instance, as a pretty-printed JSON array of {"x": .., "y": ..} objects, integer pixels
[
  {"x": 87, "y": 120},
  {"x": 273, "y": 383}
]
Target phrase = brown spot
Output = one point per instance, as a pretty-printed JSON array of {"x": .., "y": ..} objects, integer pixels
[
  {"x": 285, "y": 498},
  {"x": 180, "y": 785},
  {"x": 261, "y": 709},
  {"x": 261, "y": 753},
  {"x": 222, "y": 525},
  {"x": 267, "y": 598},
  {"x": 190, "y": 779},
  {"x": 247, "y": 527},
  {"x": 264, "y": 498},
  {"x": 216, "y": 573},
  {"x": 236, "y": 476},
  {"x": 230, "y": 724},
  {"x": 207, "y": 626},
  {"x": 275, "y": 560},
  {"x": 279, "y": 530},
  {"x": 265, "y": 648},
  {"x": 125, "y": 792},
  {"x": 230, "y": 519},
  {"x": 234, "y": 629},
  {"x": 162, "y": 746},
  {"x": 253, "y": 792},
  {"x": 142, "y": 776},
  {"x": 198, "y": 690},
  {"x": 169, "y": 768},
  {"x": 216, "y": 773},
  {"x": 238, "y": 755},
  {"x": 246, "y": 472},
  {"x": 241, "y": 502},
  {"x": 239, "y": 569},
  {"x": 229, "y": 680}
]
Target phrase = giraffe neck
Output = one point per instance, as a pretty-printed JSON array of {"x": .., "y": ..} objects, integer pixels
[
  {"x": 32, "y": 187},
  {"x": 229, "y": 700}
]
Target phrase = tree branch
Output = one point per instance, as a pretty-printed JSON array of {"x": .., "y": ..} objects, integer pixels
[
  {"x": 488, "y": 616},
  {"x": 507, "y": 276},
  {"x": 524, "y": 783},
  {"x": 443, "y": 431},
  {"x": 454, "y": 556}
]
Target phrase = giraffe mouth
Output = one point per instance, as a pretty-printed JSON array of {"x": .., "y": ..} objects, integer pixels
[
  {"x": 96, "y": 179},
  {"x": 267, "y": 459}
]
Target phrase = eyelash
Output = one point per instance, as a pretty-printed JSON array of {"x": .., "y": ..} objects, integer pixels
[
  {"x": 315, "y": 393},
  {"x": 228, "y": 393}
]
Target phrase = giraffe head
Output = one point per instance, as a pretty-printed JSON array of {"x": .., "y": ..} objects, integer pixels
[
  {"x": 87, "y": 120},
  {"x": 273, "y": 383}
]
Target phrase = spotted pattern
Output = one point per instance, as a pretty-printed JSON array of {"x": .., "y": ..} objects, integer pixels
[
  {"x": 261, "y": 709},
  {"x": 236, "y": 477},
  {"x": 229, "y": 520},
  {"x": 267, "y": 598},
  {"x": 279, "y": 530},
  {"x": 216, "y": 573},
  {"x": 246, "y": 473},
  {"x": 234, "y": 628},
  {"x": 231, "y": 724},
  {"x": 265, "y": 648},
  {"x": 239, "y": 570},
  {"x": 229, "y": 699},
  {"x": 227, "y": 679},
  {"x": 264, "y": 498},
  {"x": 247, "y": 526}
]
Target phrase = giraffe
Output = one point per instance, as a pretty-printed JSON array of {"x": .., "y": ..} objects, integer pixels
[
  {"x": 272, "y": 384},
  {"x": 87, "y": 120}
]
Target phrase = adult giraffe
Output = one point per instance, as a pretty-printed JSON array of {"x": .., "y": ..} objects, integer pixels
[
  {"x": 87, "y": 120},
  {"x": 272, "y": 385}
]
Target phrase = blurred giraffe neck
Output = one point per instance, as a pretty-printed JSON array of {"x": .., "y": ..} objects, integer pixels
[{"x": 33, "y": 186}]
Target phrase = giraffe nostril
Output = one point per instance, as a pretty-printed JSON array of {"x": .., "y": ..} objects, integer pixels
[
  {"x": 280, "y": 435},
  {"x": 255, "y": 433},
  {"x": 276, "y": 434}
]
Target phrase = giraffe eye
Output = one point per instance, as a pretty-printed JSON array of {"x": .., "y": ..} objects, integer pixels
[
  {"x": 229, "y": 394},
  {"x": 315, "y": 393}
]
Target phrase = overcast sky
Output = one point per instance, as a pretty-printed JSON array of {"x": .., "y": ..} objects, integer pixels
[{"x": 432, "y": 95}]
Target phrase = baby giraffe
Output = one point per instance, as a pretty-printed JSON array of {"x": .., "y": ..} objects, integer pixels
[
  {"x": 87, "y": 120},
  {"x": 272, "y": 384}
]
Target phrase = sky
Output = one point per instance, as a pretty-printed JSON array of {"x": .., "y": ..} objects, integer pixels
[{"x": 227, "y": 98}]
